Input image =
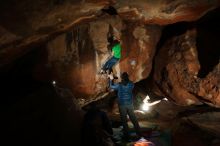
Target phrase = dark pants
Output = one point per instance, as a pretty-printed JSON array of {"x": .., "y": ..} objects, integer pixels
[
  {"x": 128, "y": 109},
  {"x": 110, "y": 63}
]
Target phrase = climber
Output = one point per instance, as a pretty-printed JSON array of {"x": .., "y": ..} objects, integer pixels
[
  {"x": 116, "y": 55},
  {"x": 125, "y": 103}
]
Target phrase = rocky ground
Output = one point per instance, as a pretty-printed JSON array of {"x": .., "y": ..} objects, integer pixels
[{"x": 172, "y": 125}]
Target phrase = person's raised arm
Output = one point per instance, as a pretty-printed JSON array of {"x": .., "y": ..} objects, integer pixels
[{"x": 113, "y": 86}]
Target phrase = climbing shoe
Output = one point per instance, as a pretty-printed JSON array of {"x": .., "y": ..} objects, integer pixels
[{"x": 102, "y": 71}]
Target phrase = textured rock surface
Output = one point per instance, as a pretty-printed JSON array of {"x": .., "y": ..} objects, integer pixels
[
  {"x": 75, "y": 34},
  {"x": 39, "y": 21},
  {"x": 82, "y": 57},
  {"x": 207, "y": 121},
  {"x": 176, "y": 72},
  {"x": 164, "y": 11}
]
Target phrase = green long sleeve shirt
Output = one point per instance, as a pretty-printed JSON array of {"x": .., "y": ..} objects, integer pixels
[{"x": 117, "y": 51}]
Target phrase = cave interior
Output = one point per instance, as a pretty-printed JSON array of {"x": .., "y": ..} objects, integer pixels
[{"x": 49, "y": 68}]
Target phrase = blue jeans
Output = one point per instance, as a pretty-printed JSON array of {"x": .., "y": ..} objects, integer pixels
[
  {"x": 128, "y": 109},
  {"x": 110, "y": 63}
]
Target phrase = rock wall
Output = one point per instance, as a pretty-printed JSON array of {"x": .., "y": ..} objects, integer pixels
[
  {"x": 75, "y": 34},
  {"x": 176, "y": 70},
  {"x": 78, "y": 62}
]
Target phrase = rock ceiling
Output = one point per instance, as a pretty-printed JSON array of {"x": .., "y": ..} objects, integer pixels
[{"x": 25, "y": 25}]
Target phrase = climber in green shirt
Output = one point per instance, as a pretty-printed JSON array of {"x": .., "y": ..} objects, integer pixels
[
  {"x": 116, "y": 55},
  {"x": 116, "y": 51}
]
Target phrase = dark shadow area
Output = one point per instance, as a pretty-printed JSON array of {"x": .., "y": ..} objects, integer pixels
[
  {"x": 17, "y": 80},
  {"x": 58, "y": 2},
  {"x": 173, "y": 30},
  {"x": 32, "y": 112},
  {"x": 41, "y": 118},
  {"x": 197, "y": 109},
  {"x": 110, "y": 10},
  {"x": 208, "y": 45},
  {"x": 97, "y": 128},
  {"x": 186, "y": 133}
]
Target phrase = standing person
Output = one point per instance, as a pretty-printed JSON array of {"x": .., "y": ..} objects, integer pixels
[
  {"x": 125, "y": 102},
  {"x": 116, "y": 55}
]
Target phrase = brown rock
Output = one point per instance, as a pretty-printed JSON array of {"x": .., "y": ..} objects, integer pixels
[
  {"x": 176, "y": 72},
  {"x": 81, "y": 60},
  {"x": 75, "y": 64}
]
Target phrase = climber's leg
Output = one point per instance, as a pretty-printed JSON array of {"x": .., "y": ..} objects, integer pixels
[{"x": 109, "y": 64}]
